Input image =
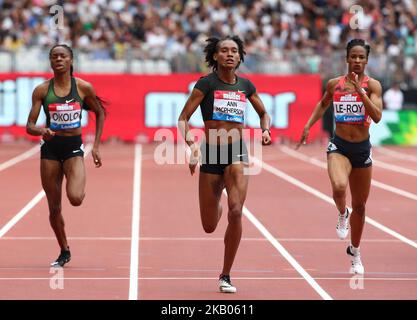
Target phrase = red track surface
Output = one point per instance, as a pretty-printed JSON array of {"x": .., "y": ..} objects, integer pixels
[{"x": 177, "y": 260}]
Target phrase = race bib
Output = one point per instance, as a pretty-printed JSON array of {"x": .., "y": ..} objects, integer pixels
[
  {"x": 229, "y": 106},
  {"x": 65, "y": 116},
  {"x": 348, "y": 108}
]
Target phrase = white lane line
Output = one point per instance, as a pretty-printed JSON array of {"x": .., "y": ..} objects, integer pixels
[
  {"x": 328, "y": 199},
  {"x": 395, "y": 168},
  {"x": 211, "y": 278},
  {"x": 397, "y": 154},
  {"x": 374, "y": 182},
  {"x": 19, "y": 158},
  {"x": 32, "y": 203},
  {"x": 284, "y": 253},
  {"x": 134, "y": 248},
  {"x": 193, "y": 239},
  {"x": 22, "y": 213}
]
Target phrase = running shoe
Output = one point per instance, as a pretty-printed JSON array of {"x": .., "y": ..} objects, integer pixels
[
  {"x": 342, "y": 227},
  {"x": 225, "y": 285},
  {"x": 63, "y": 258},
  {"x": 355, "y": 260}
]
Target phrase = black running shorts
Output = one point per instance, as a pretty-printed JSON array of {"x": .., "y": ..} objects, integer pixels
[
  {"x": 358, "y": 153},
  {"x": 215, "y": 158},
  {"x": 61, "y": 148}
]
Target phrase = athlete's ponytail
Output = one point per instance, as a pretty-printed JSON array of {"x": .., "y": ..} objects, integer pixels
[{"x": 101, "y": 102}]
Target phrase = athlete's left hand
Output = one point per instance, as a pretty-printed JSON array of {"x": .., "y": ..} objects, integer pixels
[
  {"x": 354, "y": 78},
  {"x": 97, "y": 158},
  {"x": 266, "y": 138},
  {"x": 195, "y": 157}
]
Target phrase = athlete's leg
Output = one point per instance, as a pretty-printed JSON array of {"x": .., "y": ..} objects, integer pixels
[
  {"x": 236, "y": 186},
  {"x": 339, "y": 168},
  {"x": 74, "y": 171},
  {"x": 210, "y": 191},
  {"x": 360, "y": 184},
  {"x": 51, "y": 176}
]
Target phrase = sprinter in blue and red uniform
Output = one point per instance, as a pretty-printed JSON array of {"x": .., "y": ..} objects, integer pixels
[
  {"x": 223, "y": 97},
  {"x": 356, "y": 102},
  {"x": 63, "y": 97}
]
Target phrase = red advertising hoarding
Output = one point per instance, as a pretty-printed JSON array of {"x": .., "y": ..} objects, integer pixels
[{"x": 139, "y": 105}]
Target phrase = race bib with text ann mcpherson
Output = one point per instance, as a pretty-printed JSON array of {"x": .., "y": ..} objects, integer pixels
[
  {"x": 65, "y": 116},
  {"x": 229, "y": 106}
]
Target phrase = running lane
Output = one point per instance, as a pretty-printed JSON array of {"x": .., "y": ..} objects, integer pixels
[
  {"x": 307, "y": 225},
  {"x": 99, "y": 238},
  {"x": 178, "y": 260}
]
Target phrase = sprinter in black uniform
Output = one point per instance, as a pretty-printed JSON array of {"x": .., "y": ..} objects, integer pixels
[
  {"x": 63, "y": 97},
  {"x": 223, "y": 96}
]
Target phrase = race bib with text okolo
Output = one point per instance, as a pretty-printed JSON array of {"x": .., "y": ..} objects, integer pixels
[
  {"x": 229, "y": 106},
  {"x": 65, "y": 116},
  {"x": 348, "y": 108}
]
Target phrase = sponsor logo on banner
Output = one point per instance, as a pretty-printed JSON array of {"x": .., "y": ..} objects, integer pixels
[{"x": 143, "y": 104}]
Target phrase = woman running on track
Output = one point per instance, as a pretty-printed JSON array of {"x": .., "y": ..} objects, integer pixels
[
  {"x": 356, "y": 102},
  {"x": 223, "y": 96},
  {"x": 62, "y": 152}
]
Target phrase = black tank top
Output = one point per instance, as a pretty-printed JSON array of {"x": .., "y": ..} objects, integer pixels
[
  {"x": 62, "y": 113},
  {"x": 224, "y": 101}
]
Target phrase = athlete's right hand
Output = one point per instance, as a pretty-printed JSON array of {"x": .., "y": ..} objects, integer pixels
[
  {"x": 304, "y": 136},
  {"x": 47, "y": 134},
  {"x": 195, "y": 157}
]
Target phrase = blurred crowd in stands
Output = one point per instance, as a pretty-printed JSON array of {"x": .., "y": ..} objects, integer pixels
[{"x": 281, "y": 36}]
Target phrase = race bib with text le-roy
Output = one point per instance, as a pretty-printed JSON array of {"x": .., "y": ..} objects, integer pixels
[
  {"x": 229, "y": 106},
  {"x": 348, "y": 108},
  {"x": 65, "y": 116}
]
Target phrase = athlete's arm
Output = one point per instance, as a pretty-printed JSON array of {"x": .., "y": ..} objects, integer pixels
[
  {"x": 90, "y": 98},
  {"x": 31, "y": 127},
  {"x": 265, "y": 120},
  {"x": 319, "y": 110},
  {"x": 373, "y": 103},
  {"x": 190, "y": 106}
]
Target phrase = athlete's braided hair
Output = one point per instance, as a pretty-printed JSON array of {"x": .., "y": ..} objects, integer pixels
[
  {"x": 213, "y": 46},
  {"x": 85, "y": 106},
  {"x": 357, "y": 42}
]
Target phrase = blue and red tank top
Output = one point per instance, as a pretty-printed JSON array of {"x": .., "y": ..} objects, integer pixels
[{"x": 348, "y": 106}]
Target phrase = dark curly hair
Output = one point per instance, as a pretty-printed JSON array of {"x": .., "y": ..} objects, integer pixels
[
  {"x": 357, "y": 42},
  {"x": 213, "y": 46}
]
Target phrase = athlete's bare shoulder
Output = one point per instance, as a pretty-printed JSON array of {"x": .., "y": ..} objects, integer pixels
[
  {"x": 82, "y": 83},
  {"x": 373, "y": 82},
  {"x": 85, "y": 88},
  {"x": 41, "y": 90},
  {"x": 375, "y": 86},
  {"x": 331, "y": 84}
]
